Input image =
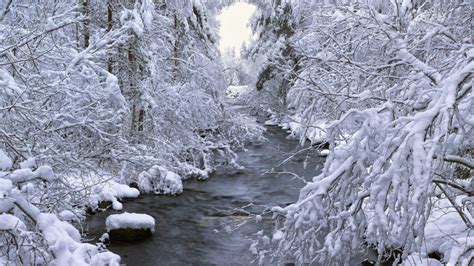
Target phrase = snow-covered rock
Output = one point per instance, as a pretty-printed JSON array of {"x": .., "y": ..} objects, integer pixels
[
  {"x": 112, "y": 191},
  {"x": 161, "y": 181},
  {"x": 129, "y": 226},
  {"x": 130, "y": 220}
]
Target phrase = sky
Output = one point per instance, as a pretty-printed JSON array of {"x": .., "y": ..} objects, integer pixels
[{"x": 234, "y": 28}]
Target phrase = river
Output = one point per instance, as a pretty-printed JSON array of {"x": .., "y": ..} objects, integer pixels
[{"x": 207, "y": 224}]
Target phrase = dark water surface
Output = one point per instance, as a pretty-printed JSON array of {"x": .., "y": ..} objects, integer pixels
[{"x": 201, "y": 226}]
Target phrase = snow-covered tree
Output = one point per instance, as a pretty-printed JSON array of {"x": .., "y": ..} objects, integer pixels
[
  {"x": 392, "y": 82},
  {"x": 273, "y": 53},
  {"x": 34, "y": 235},
  {"x": 109, "y": 88}
]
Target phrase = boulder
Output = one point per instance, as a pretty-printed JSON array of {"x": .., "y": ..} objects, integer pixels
[{"x": 129, "y": 227}]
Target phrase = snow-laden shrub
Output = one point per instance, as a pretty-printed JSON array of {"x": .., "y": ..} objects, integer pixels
[
  {"x": 30, "y": 234},
  {"x": 160, "y": 181}
]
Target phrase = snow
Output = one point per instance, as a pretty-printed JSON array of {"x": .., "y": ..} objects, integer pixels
[
  {"x": 445, "y": 231},
  {"x": 253, "y": 248},
  {"x": 28, "y": 163},
  {"x": 5, "y": 161},
  {"x": 324, "y": 153},
  {"x": 24, "y": 175},
  {"x": 271, "y": 122},
  {"x": 67, "y": 215},
  {"x": 75, "y": 115},
  {"x": 6, "y": 80},
  {"x": 278, "y": 235},
  {"x": 10, "y": 222},
  {"x": 50, "y": 25},
  {"x": 64, "y": 242},
  {"x": 314, "y": 132},
  {"x": 325, "y": 56},
  {"x": 146, "y": 9},
  {"x": 112, "y": 191},
  {"x": 112, "y": 85},
  {"x": 338, "y": 16},
  {"x": 161, "y": 181},
  {"x": 418, "y": 260},
  {"x": 137, "y": 23},
  {"x": 5, "y": 187},
  {"x": 234, "y": 91},
  {"x": 364, "y": 95},
  {"x": 130, "y": 220}
]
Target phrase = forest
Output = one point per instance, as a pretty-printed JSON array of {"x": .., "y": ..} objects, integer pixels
[{"x": 107, "y": 102}]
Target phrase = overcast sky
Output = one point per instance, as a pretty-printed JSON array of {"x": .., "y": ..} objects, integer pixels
[{"x": 234, "y": 26}]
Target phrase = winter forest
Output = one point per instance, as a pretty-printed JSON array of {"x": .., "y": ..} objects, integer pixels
[{"x": 339, "y": 132}]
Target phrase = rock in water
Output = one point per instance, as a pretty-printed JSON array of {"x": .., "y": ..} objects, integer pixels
[{"x": 128, "y": 227}]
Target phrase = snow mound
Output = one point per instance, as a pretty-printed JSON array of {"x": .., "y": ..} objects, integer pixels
[
  {"x": 10, "y": 222},
  {"x": 130, "y": 220},
  {"x": 161, "y": 181},
  {"x": 113, "y": 191},
  {"x": 64, "y": 242}
]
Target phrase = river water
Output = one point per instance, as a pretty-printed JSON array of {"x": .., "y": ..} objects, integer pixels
[{"x": 208, "y": 224}]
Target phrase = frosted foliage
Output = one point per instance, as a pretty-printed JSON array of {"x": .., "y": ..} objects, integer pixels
[
  {"x": 161, "y": 181},
  {"x": 5, "y": 161},
  {"x": 42, "y": 238},
  {"x": 388, "y": 84},
  {"x": 111, "y": 191},
  {"x": 100, "y": 89}
]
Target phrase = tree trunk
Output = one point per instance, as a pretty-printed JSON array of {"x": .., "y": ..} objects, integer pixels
[
  {"x": 85, "y": 13},
  {"x": 109, "y": 27},
  {"x": 132, "y": 87},
  {"x": 176, "y": 49}
]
